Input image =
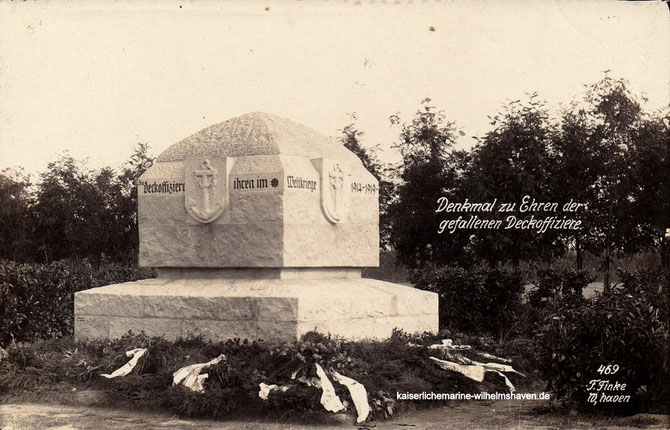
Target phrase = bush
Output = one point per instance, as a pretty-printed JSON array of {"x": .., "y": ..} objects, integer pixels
[
  {"x": 62, "y": 368},
  {"x": 554, "y": 282},
  {"x": 627, "y": 327},
  {"x": 37, "y": 300},
  {"x": 475, "y": 300},
  {"x": 389, "y": 270}
]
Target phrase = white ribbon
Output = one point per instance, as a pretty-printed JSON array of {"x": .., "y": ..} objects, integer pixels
[
  {"x": 475, "y": 370},
  {"x": 190, "y": 376},
  {"x": 266, "y": 389},
  {"x": 329, "y": 399},
  {"x": 136, "y": 354},
  {"x": 358, "y": 394}
]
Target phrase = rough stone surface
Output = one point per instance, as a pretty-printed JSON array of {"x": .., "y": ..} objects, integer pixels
[
  {"x": 170, "y": 328},
  {"x": 91, "y": 327},
  {"x": 274, "y": 184},
  {"x": 278, "y": 309},
  {"x": 254, "y": 134}
]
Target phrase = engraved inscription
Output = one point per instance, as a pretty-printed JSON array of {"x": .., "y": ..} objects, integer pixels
[
  {"x": 164, "y": 187},
  {"x": 365, "y": 189},
  {"x": 300, "y": 183},
  {"x": 256, "y": 182}
]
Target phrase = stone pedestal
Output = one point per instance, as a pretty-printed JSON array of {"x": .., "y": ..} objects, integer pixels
[
  {"x": 259, "y": 228},
  {"x": 280, "y": 304}
]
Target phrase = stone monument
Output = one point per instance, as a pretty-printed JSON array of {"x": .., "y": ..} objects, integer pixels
[{"x": 259, "y": 228}]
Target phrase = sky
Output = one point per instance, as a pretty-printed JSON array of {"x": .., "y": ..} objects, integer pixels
[{"x": 96, "y": 78}]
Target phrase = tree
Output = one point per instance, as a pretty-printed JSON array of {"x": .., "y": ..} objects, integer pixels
[
  {"x": 351, "y": 139},
  {"x": 510, "y": 162},
  {"x": 613, "y": 156},
  {"x": 126, "y": 200},
  {"x": 650, "y": 186},
  {"x": 16, "y": 221},
  {"x": 614, "y": 116},
  {"x": 428, "y": 171},
  {"x": 89, "y": 214},
  {"x": 61, "y": 209},
  {"x": 573, "y": 174}
]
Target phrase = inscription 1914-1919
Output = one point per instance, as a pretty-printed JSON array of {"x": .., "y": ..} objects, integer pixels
[{"x": 359, "y": 188}]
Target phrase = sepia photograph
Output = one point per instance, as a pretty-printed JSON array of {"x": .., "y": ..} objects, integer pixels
[{"x": 334, "y": 214}]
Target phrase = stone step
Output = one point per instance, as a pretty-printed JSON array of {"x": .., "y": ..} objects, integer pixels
[{"x": 277, "y": 309}]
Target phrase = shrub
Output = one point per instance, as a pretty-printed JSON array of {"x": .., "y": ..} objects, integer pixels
[
  {"x": 389, "y": 270},
  {"x": 56, "y": 366},
  {"x": 627, "y": 327},
  {"x": 551, "y": 282},
  {"x": 476, "y": 299},
  {"x": 37, "y": 300}
]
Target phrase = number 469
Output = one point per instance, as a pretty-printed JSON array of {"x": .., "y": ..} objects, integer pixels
[{"x": 610, "y": 369}]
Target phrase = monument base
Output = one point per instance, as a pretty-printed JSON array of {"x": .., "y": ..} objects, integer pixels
[{"x": 280, "y": 304}]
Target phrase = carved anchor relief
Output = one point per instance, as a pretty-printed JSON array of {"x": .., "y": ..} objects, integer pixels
[
  {"x": 207, "y": 203},
  {"x": 336, "y": 179},
  {"x": 334, "y": 182}
]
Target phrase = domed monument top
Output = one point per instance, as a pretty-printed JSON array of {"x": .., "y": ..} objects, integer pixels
[{"x": 257, "y": 133}]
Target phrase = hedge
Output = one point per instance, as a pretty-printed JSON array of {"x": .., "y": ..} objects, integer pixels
[
  {"x": 37, "y": 300},
  {"x": 486, "y": 301}
]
